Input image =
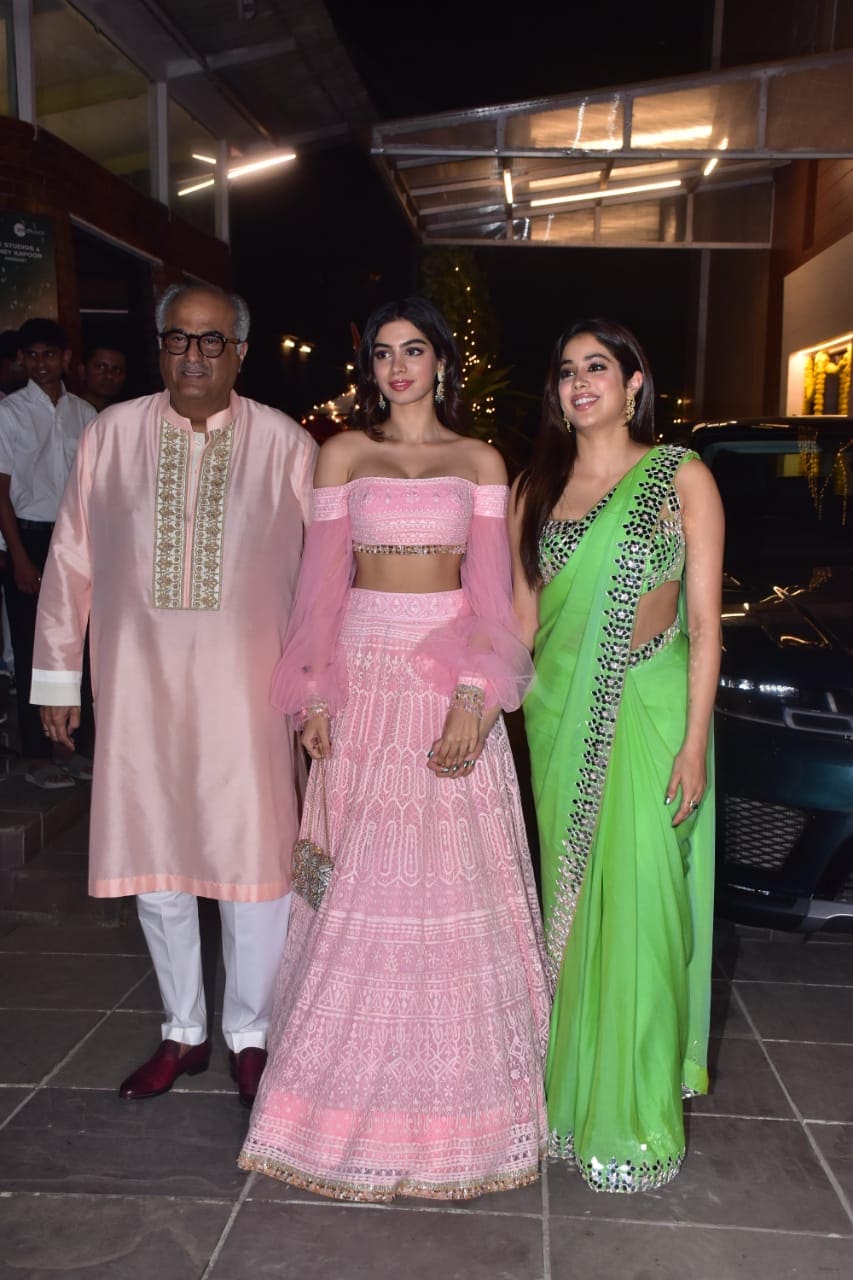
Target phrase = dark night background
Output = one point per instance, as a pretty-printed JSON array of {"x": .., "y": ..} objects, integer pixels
[{"x": 318, "y": 247}]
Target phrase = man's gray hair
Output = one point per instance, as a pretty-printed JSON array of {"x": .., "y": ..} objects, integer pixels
[{"x": 176, "y": 291}]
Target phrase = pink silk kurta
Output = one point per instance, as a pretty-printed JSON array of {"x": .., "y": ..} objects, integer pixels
[{"x": 187, "y": 577}]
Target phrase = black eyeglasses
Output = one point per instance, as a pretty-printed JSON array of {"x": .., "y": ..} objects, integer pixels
[{"x": 211, "y": 344}]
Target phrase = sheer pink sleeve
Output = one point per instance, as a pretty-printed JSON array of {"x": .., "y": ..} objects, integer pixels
[
  {"x": 483, "y": 646},
  {"x": 312, "y": 667}
]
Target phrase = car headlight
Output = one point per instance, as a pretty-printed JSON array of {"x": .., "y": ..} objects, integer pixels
[
  {"x": 749, "y": 698},
  {"x": 763, "y": 688},
  {"x": 773, "y": 702}
]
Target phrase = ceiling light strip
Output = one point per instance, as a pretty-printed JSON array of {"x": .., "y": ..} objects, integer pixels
[{"x": 607, "y": 194}]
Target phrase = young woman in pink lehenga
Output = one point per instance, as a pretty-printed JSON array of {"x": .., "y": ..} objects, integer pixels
[{"x": 406, "y": 1050}]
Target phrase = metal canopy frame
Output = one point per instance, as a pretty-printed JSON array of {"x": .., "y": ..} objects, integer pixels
[
  {"x": 256, "y": 75},
  {"x": 678, "y": 163}
]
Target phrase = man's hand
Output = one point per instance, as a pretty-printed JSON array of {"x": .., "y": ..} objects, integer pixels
[
  {"x": 59, "y": 723},
  {"x": 27, "y": 576}
]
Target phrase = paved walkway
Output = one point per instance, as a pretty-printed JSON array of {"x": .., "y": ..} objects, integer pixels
[{"x": 91, "y": 1187}]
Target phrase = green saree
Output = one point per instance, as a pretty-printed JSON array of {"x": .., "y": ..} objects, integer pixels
[{"x": 627, "y": 898}]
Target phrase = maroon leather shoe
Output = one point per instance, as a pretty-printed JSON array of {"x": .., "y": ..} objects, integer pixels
[
  {"x": 160, "y": 1072},
  {"x": 247, "y": 1067}
]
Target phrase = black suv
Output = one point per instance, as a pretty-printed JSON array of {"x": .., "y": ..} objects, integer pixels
[{"x": 784, "y": 720}]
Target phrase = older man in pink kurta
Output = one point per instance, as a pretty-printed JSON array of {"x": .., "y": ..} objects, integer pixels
[{"x": 178, "y": 540}]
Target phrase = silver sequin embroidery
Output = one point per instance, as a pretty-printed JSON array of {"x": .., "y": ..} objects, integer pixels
[{"x": 626, "y": 583}]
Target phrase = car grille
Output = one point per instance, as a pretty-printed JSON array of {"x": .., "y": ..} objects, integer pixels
[{"x": 755, "y": 834}]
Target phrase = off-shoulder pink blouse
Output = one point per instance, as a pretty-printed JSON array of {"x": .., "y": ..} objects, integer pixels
[{"x": 480, "y": 646}]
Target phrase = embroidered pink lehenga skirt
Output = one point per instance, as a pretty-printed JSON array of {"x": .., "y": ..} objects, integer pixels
[{"x": 407, "y": 1043}]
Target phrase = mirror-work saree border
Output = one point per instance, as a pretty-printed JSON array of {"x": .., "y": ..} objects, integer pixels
[{"x": 628, "y": 899}]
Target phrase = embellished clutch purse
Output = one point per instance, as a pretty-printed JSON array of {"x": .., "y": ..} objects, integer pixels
[{"x": 312, "y": 863}]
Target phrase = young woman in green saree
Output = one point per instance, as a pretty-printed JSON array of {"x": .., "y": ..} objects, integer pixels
[{"x": 618, "y": 559}]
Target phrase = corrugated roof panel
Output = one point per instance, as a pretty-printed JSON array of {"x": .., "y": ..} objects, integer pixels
[{"x": 625, "y": 165}]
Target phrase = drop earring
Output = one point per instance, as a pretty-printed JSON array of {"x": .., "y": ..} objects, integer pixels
[
  {"x": 567, "y": 423},
  {"x": 630, "y": 406},
  {"x": 382, "y": 402},
  {"x": 439, "y": 387}
]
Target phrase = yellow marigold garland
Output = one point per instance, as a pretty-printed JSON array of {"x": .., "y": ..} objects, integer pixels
[
  {"x": 843, "y": 367},
  {"x": 816, "y": 368},
  {"x": 808, "y": 383}
]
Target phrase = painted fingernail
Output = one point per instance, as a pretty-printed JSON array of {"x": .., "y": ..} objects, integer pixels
[
  {"x": 667, "y": 799},
  {"x": 430, "y": 755}
]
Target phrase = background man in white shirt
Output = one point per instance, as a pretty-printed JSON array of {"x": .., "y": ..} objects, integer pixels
[{"x": 40, "y": 426}]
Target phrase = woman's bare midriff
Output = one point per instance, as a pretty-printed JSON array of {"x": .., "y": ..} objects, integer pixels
[
  {"x": 656, "y": 611},
  {"x": 413, "y": 574}
]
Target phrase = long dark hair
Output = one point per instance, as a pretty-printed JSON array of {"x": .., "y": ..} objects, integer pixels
[
  {"x": 432, "y": 324},
  {"x": 544, "y": 480}
]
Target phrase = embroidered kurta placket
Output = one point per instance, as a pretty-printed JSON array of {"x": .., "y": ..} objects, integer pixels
[{"x": 192, "y": 481}]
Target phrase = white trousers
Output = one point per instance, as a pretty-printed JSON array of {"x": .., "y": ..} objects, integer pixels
[{"x": 253, "y": 936}]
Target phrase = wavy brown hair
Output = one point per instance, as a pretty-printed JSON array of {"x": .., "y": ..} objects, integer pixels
[
  {"x": 543, "y": 481},
  {"x": 431, "y": 323}
]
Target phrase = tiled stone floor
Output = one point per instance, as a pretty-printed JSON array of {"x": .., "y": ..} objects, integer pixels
[{"x": 96, "y": 1189}]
